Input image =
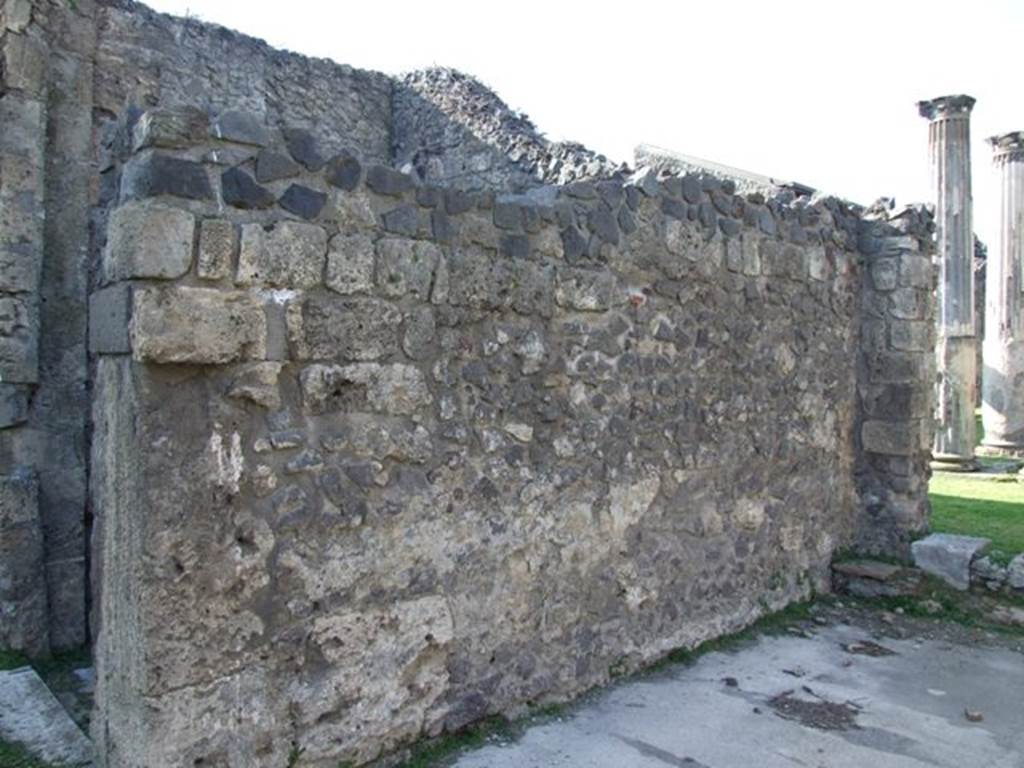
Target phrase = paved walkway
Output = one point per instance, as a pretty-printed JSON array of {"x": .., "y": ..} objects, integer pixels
[
  {"x": 793, "y": 701},
  {"x": 31, "y": 716}
]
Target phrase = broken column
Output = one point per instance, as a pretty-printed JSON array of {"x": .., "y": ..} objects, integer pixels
[
  {"x": 1003, "y": 376},
  {"x": 950, "y": 156}
]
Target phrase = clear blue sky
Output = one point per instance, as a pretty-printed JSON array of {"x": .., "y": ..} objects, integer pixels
[{"x": 819, "y": 92}]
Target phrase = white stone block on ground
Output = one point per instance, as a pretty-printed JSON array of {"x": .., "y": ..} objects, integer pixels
[
  {"x": 948, "y": 557},
  {"x": 1015, "y": 572},
  {"x": 31, "y": 716}
]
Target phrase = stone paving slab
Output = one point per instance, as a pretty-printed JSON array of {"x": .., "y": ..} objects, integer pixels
[
  {"x": 32, "y": 716},
  {"x": 835, "y": 700}
]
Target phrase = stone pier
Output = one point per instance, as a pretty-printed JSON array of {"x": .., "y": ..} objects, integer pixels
[
  {"x": 1003, "y": 375},
  {"x": 950, "y": 156}
]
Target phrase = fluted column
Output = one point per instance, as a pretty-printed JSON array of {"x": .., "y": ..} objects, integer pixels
[
  {"x": 949, "y": 139},
  {"x": 1003, "y": 374}
]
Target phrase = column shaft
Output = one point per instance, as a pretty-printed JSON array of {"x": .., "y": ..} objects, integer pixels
[
  {"x": 1003, "y": 375},
  {"x": 949, "y": 139}
]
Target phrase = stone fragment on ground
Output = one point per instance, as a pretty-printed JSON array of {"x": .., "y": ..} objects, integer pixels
[
  {"x": 30, "y": 715},
  {"x": 948, "y": 557},
  {"x": 871, "y": 578},
  {"x": 1015, "y": 572}
]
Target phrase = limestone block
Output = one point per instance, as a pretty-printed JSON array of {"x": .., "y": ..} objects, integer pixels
[
  {"x": 15, "y": 15},
  {"x": 170, "y": 128},
  {"x": 584, "y": 290},
  {"x": 377, "y": 437},
  {"x": 398, "y": 390},
  {"x": 817, "y": 263},
  {"x": 885, "y": 274},
  {"x": 241, "y": 128},
  {"x": 331, "y": 328},
  {"x": 1015, "y": 572},
  {"x": 218, "y": 243},
  {"x": 406, "y": 267},
  {"x": 23, "y": 604},
  {"x": 21, "y": 205},
  {"x": 19, "y": 331},
  {"x": 898, "y": 438},
  {"x": 363, "y": 656},
  {"x": 526, "y": 286},
  {"x": 350, "y": 264},
  {"x": 683, "y": 239},
  {"x": 949, "y": 557},
  {"x": 908, "y": 304},
  {"x": 896, "y": 401},
  {"x": 749, "y": 514},
  {"x": 291, "y": 255},
  {"x": 109, "y": 316},
  {"x": 14, "y": 400},
  {"x": 916, "y": 271},
  {"x": 258, "y": 383},
  {"x": 24, "y": 64},
  {"x": 197, "y": 325},
  {"x": 889, "y": 367},
  {"x": 19, "y": 268},
  {"x": 468, "y": 279},
  {"x": 148, "y": 241},
  {"x": 24, "y": 123},
  {"x": 910, "y": 335}
]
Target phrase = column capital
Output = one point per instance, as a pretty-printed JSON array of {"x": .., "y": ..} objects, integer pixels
[
  {"x": 1008, "y": 146},
  {"x": 946, "y": 106}
]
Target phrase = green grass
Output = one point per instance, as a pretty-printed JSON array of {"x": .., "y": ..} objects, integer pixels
[
  {"x": 952, "y": 606},
  {"x": 12, "y": 660},
  {"x": 14, "y": 756},
  {"x": 433, "y": 752},
  {"x": 974, "y": 507}
]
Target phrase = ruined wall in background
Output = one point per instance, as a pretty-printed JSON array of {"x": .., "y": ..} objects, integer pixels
[
  {"x": 448, "y": 128},
  {"x": 378, "y": 459},
  {"x": 145, "y": 59}
]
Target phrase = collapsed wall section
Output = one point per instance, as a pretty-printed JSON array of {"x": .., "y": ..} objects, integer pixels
[
  {"x": 378, "y": 459},
  {"x": 449, "y": 128}
]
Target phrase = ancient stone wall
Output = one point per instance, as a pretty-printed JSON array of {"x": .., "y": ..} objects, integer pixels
[
  {"x": 378, "y": 459},
  {"x": 73, "y": 75},
  {"x": 367, "y": 459},
  {"x": 24, "y": 56},
  {"x": 449, "y": 128},
  {"x": 896, "y": 375}
]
